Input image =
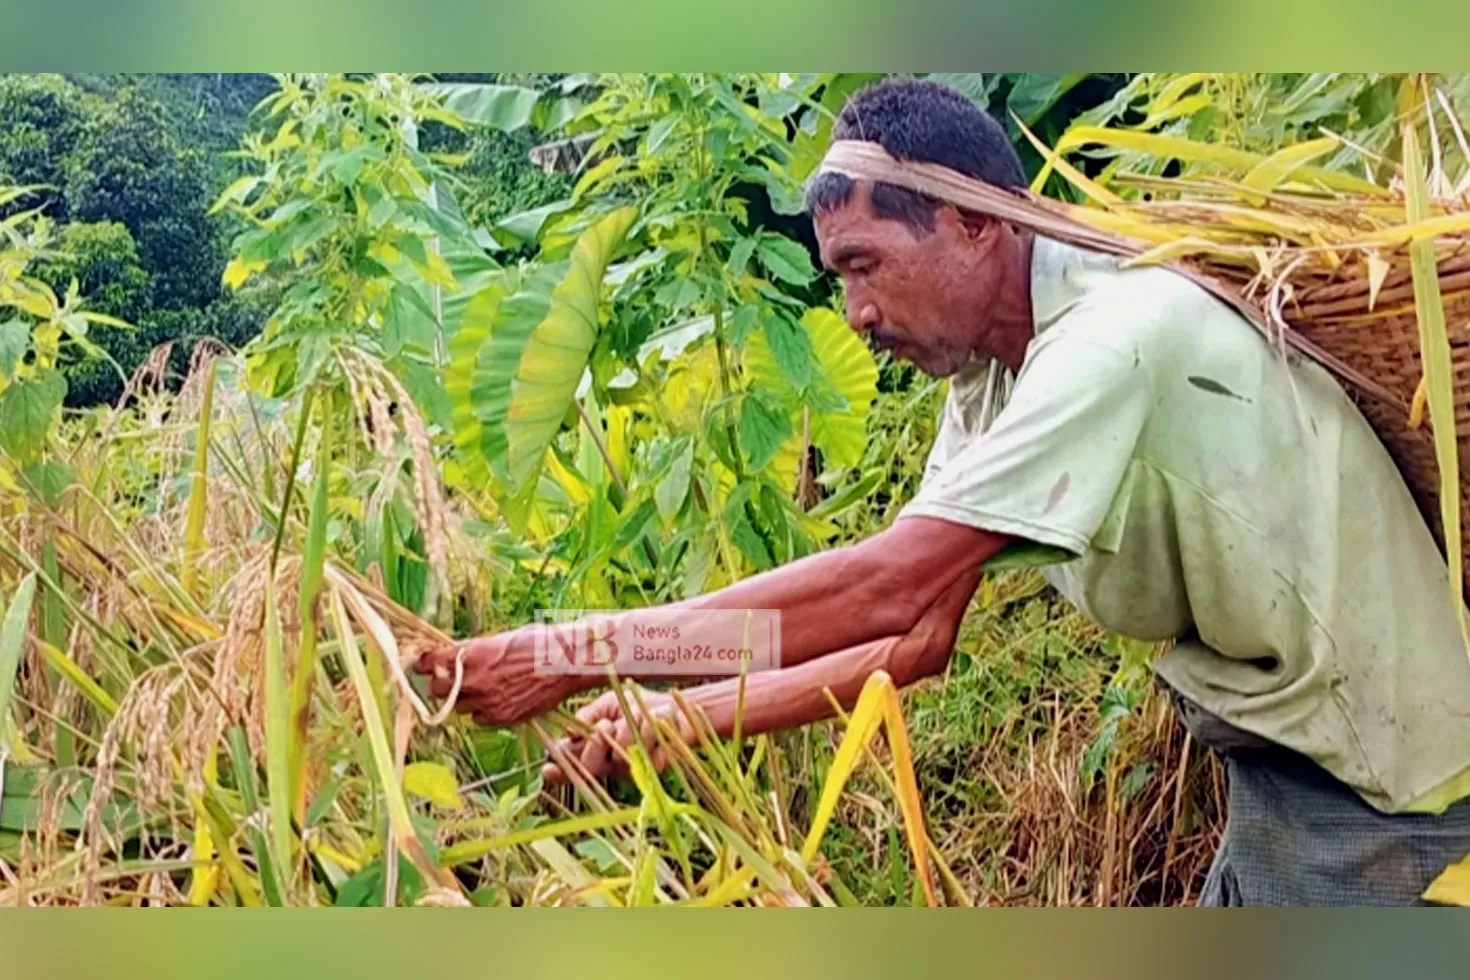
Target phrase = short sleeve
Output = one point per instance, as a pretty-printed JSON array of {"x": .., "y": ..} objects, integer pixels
[{"x": 1049, "y": 467}]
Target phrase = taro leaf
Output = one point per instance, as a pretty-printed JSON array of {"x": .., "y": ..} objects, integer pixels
[
  {"x": 786, "y": 258},
  {"x": 839, "y": 397},
  {"x": 1033, "y": 93},
  {"x": 503, "y": 107},
  {"x": 461, "y": 376},
  {"x": 555, "y": 353},
  {"x": 26, "y": 408},
  {"x": 762, "y": 430},
  {"x": 15, "y": 336}
]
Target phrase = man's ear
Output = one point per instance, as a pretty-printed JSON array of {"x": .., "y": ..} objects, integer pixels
[{"x": 975, "y": 226}]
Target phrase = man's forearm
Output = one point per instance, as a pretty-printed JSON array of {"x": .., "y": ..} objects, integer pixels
[
  {"x": 796, "y": 695},
  {"x": 844, "y": 598}
]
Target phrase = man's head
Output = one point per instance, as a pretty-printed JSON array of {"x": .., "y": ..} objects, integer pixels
[{"x": 934, "y": 284}]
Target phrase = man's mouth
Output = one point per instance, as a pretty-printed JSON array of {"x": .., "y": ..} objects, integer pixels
[{"x": 884, "y": 342}]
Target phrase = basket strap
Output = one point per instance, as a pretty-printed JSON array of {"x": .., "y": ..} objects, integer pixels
[{"x": 864, "y": 160}]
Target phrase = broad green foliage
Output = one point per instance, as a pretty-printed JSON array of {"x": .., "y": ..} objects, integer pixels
[
  {"x": 341, "y": 215},
  {"x": 696, "y": 359},
  {"x": 555, "y": 353}
]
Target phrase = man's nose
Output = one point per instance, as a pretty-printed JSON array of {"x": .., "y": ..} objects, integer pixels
[{"x": 862, "y": 315}]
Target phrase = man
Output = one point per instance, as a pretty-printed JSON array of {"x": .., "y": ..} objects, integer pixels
[{"x": 1188, "y": 482}]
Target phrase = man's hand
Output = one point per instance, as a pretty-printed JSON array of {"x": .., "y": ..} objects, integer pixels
[
  {"x": 609, "y": 727},
  {"x": 501, "y": 685}
]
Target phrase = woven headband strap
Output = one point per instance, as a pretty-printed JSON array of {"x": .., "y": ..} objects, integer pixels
[{"x": 863, "y": 160}]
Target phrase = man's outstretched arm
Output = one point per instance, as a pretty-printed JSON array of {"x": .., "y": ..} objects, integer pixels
[
  {"x": 842, "y": 599},
  {"x": 791, "y": 696}
]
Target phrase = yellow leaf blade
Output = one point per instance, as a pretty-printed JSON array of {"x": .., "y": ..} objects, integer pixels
[
  {"x": 1439, "y": 380},
  {"x": 434, "y": 782},
  {"x": 1270, "y": 172}
]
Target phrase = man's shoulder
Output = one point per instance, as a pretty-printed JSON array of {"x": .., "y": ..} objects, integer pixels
[{"x": 1144, "y": 311}]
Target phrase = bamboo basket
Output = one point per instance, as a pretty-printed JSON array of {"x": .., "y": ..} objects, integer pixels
[{"x": 1382, "y": 344}]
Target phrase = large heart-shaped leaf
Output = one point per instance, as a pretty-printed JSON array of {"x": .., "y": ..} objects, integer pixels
[
  {"x": 530, "y": 349},
  {"x": 556, "y": 351},
  {"x": 845, "y": 369},
  {"x": 465, "y": 346}
]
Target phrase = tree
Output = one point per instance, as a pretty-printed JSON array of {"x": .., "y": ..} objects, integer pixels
[
  {"x": 44, "y": 118},
  {"x": 103, "y": 258},
  {"x": 130, "y": 167}
]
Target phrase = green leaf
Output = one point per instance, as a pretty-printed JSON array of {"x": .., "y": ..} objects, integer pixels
[
  {"x": 556, "y": 350},
  {"x": 1439, "y": 378},
  {"x": 840, "y": 390},
  {"x": 1021, "y": 554},
  {"x": 849, "y": 495},
  {"x": 311, "y": 353},
  {"x": 26, "y": 408},
  {"x": 12, "y": 645},
  {"x": 790, "y": 347},
  {"x": 524, "y": 227},
  {"x": 785, "y": 194},
  {"x": 460, "y": 378},
  {"x": 786, "y": 258},
  {"x": 660, "y": 131},
  {"x": 50, "y": 478},
  {"x": 762, "y": 430},
  {"x": 977, "y": 86},
  {"x": 15, "y": 337},
  {"x": 498, "y": 361},
  {"x": 743, "y": 532},
  {"x": 740, "y": 255},
  {"x": 634, "y": 525},
  {"x": 365, "y": 889},
  {"x": 503, "y": 107},
  {"x": 670, "y": 492},
  {"x": 428, "y": 394},
  {"x": 346, "y": 166},
  {"x": 1033, "y": 93}
]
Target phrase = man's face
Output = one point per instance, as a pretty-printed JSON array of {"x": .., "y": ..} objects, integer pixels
[{"x": 924, "y": 297}]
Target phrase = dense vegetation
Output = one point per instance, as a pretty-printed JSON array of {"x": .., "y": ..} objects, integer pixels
[{"x": 465, "y": 389}]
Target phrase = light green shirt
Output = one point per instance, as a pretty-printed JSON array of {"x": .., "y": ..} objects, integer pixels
[{"x": 1214, "y": 489}]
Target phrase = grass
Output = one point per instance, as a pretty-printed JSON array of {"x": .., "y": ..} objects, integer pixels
[
  {"x": 1028, "y": 799},
  {"x": 190, "y": 773}
]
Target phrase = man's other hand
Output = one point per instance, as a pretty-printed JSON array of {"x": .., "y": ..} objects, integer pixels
[{"x": 604, "y": 716}]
